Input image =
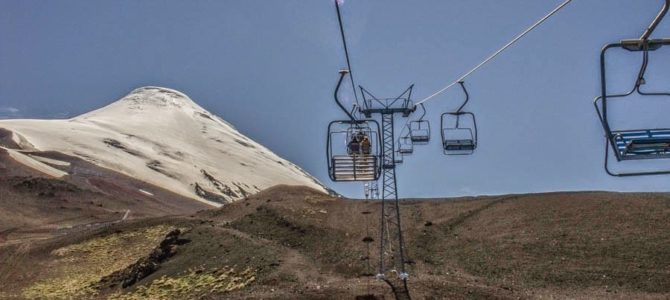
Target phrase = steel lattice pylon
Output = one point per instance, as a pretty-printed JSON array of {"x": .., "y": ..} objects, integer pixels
[
  {"x": 392, "y": 249},
  {"x": 392, "y": 252}
]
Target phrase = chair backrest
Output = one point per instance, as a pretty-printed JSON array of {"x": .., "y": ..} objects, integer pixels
[{"x": 351, "y": 158}]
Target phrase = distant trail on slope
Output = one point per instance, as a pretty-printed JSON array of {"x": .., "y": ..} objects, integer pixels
[
  {"x": 460, "y": 219},
  {"x": 125, "y": 216}
]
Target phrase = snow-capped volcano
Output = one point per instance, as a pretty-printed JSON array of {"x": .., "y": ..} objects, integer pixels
[{"x": 162, "y": 137}]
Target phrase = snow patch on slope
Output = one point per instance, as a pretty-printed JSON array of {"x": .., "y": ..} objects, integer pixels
[{"x": 161, "y": 136}]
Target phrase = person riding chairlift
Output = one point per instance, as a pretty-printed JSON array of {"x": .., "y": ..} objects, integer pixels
[
  {"x": 366, "y": 147},
  {"x": 360, "y": 144},
  {"x": 354, "y": 145}
]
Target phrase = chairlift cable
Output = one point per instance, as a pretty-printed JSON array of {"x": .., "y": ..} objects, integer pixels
[
  {"x": 501, "y": 50},
  {"x": 346, "y": 49}
]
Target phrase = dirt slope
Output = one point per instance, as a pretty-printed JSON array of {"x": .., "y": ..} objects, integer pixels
[
  {"x": 33, "y": 206},
  {"x": 293, "y": 242}
]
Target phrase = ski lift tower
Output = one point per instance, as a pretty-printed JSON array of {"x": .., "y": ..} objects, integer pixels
[
  {"x": 367, "y": 167},
  {"x": 345, "y": 164},
  {"x": 392, "y": 256}
]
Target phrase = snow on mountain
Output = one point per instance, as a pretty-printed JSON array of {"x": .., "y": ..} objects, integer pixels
[{"x": 162, "y": 137}]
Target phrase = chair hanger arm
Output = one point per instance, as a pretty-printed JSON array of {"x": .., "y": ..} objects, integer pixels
[{"x": 664, "y": 10}]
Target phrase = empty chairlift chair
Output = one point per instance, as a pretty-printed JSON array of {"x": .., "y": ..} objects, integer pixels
[
  {"x": 635, "y": 144},
  {"x": 354, "y": 150},
  {"x": 398, "y": 157},
  {"x": 459, "y": 130},
  {"x": 419, "y": 130},
  {"x": 405, "y": 145},
  {"x": 457, "y": 138}
]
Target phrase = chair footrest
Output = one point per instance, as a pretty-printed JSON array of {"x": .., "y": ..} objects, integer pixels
[
  {"x": 354, "y": 168},
  {"x": 642, "y": 144},
  {"x": 458, "y": 145}
]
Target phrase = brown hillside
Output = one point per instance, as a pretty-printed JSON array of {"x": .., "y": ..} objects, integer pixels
[
  {"x": 33, "y": 206},
  {"x": 292, "y": 242}
]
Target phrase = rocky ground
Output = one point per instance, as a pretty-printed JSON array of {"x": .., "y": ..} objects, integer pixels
[{"x": 296, "y": 243}]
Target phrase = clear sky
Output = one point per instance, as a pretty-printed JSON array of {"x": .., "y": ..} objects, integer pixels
[{"x": 269, "y": 67}]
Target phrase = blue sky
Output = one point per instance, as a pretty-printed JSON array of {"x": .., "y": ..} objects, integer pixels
[{"x": 269, "y": 67}]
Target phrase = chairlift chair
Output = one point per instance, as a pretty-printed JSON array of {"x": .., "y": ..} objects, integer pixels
[
  {"x": 419, "y": 129},
  {"x": 633, "y": 144},
  {"x": 349, "y": 161},
  {"x": 459, "y": 130},
  {"x": 458, "y": 139},
  {"x": 398, "y": 157},
  {"x": 405, "y": 145},
  {"x": 349, "y": 157}
]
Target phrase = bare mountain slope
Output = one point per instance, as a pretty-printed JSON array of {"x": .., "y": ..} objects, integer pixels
[
  {"x": 296, "y": 243},
  {"x": 162, "y": 137},
  {"x": 34, "y": 206}
]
